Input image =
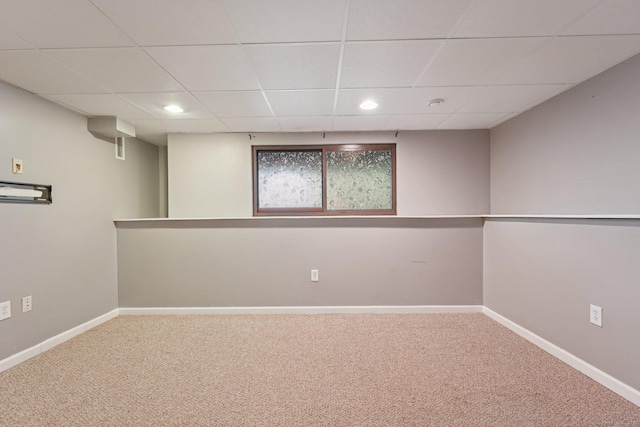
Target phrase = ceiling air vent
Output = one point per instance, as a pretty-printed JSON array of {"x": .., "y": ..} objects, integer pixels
[
  {"x": 112, "y": 129},
  {"x": 120, "y": 147}
]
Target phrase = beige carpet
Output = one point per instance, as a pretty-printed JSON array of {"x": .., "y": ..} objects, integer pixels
[{"x": 304, "y": 370}]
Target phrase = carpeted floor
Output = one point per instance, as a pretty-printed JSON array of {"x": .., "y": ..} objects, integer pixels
[{"x": 304, "y": 370}]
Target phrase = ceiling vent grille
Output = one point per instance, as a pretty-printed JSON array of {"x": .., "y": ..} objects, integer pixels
[{"x": 120, "y": 147}]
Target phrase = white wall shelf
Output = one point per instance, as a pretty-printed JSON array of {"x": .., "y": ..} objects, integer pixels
[
  {"x": 301, "y": 217},
  {"x": 383, "y": 217},
  {"x": 576, "y": 216}
]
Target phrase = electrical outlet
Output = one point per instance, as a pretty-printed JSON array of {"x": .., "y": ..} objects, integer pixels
[
  {"x": 5, "y": 310},
  {"x": 595, "y": 315},
  {"x": 315, "y": 276},
  {"x": 26, "y": 304}
]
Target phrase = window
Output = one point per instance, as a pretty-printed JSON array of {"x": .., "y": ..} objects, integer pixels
[{"x": 324, "y": 180}]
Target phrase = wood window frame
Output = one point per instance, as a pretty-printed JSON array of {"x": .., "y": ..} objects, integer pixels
[{"x": 322, "y": 211}]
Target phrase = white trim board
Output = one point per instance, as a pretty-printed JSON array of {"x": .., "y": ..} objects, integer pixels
[
  {"x": 297, "y": 217},
  {"x": 48, "y": 344},
  {"x": 387, "y": 217},
  {"x": 613, "y": 384},
  {"x": 375, "y": 309}
]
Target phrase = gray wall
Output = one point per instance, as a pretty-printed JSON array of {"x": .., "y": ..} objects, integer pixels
[
  {"x": 577, "y": 153},
  {"x": 64, "y": 254},
  {"x": 543, "y": 275},
  {"x": 267, "y": 262},
  {"x": 438, "y": 172}
]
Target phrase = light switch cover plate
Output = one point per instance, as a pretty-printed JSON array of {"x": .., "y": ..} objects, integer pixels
[{"x": 26, "y": 304}]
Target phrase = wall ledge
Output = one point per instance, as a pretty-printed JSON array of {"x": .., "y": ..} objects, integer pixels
[
  {"x": 389, "y": 218},
  {"x": 294, "y": 218},
  {"x": 370, "y": 221},
  {"x": 576, "y": 216}
]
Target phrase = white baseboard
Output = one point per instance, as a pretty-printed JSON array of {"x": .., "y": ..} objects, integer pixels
[
  {"x": 376, "y": 309},
  {"x": 613, "y": 384},
  {"x": 48, "y": 344}
]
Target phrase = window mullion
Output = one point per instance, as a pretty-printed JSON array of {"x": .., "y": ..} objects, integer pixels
[{"x": 324, "y": 180}]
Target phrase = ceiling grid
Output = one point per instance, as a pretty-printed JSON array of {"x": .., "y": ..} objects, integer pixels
[{"x": 305, "y": 65}]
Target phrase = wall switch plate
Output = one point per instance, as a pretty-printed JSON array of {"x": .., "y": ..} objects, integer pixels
[
  {"x": 5, "y": 310},
  {"x": 595, "y": 315},
  {"x": 17, "y": 166},
  {"x": 26, "y": 304},
  {"x": 315, "y": 277}
]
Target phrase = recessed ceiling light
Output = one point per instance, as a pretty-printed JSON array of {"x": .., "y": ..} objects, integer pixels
[
  {"x": 435, "y": 102},
  {"x": 174, "y": 109},
  {"x": 369, "y": 105}
]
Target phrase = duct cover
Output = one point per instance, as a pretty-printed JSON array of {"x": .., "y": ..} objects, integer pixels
[{"x": 110, "y": 127}]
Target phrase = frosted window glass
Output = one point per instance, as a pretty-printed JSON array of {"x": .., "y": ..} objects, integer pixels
[
  {"x": 290, "y": 179},
  {"x": 359, "y": 180}
]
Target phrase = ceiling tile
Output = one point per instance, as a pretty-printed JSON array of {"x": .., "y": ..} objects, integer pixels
[
  {"x": 101, "y": 105},
  {"x": 25, "y": 69},
  {"x": 154, "y": 103},
  {"x": 10, "y": 42},
  {"x": 388, "y": 100},
  {"x": 295, "y": 66},
  {"x": 359, "y": 123},
  {"x": 488, "y": 59},
  {"x": 454, "y": 97},
  {"x": 386, "y": 64},
  {"x": 420, "y": 19},
  {"x": 118, "y": 69},
  {"x": 273, "y": 21},
  {"x": 572, "y": 59},
  {"x": 472, "y": 120},
  {"x": 252, "y": 124},
  {"x": 609, "y": 17},
  {"x": 235, "y": 103},
  {"x": 170, "y": 22},
  {"x": 207, "y": 68},
  {"x": 148, "y": 125},
  {"x": 302, "y": 102},
  {"x": 476, "y": 62},
  {"x": 415, "y": 121},
  {"x": 505, "y": 99},
  {"x": 194, "y": 125},
  {"x": 508, "y": 18},
  {"x": 306, "y": 124},
  {"x": 60, "y": 24}
]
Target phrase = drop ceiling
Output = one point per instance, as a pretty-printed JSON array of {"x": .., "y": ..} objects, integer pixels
[{"x": 306, "y": 65}]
